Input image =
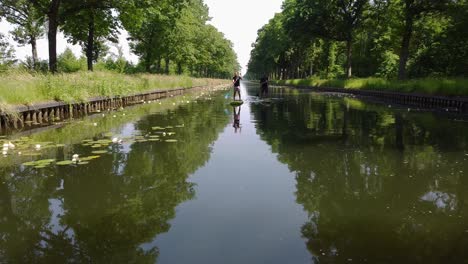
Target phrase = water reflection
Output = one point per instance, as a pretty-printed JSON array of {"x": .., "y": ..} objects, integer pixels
[
  {"x": 236, "y": 111},
  {"x": 103, "y": 212},
  {"x": 379, "y": 185}
]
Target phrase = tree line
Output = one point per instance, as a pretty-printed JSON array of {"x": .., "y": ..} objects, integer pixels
[
  {"x": 167, "y": 35},
  {"x": 345, "y": 38}
]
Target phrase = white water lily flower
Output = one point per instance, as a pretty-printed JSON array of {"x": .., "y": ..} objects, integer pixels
[
  {"x": 5, "y": 148},
  {"x": 4, "y": 153},
  {"x": 5, "y": 145},
  {"x": 115, "y": 140},
  {"x": 10, "y": 145},
  {"x": 38, "y": 147}
]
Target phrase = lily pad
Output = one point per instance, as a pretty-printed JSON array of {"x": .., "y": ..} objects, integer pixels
[
  {"x": 30, "y": 163},
  {"x": 158, "y": 128},
  {"x": 83, "y": 162},
  {"x": 99, "y": 152},
  {"x": 45, "y": 161},
  {"x": 64, "y": 162},
  {"x": 96, "y": 146},
  {"x": 171, "y": 140}
]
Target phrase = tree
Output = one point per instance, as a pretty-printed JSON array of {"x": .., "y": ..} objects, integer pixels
[
  {"x": 28, "y": 21},
  {"x": 335, "y": 19},
  {"x": 7, "y": 53},
  {"x": 50, "y": 8},
  {"x": 101, "y": 25},
  {"x": 413, "y": 10}
]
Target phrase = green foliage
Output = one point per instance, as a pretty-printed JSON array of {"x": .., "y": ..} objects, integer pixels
[
  {"x": 68, "y": 62},
  {"x": 175, "y": 38},
  {"x": 7, "y": 53},
  {"x": 387, "y": 39},
  {"x": 427, "y": 85},
  {"x": 26, "y": 88},
  {"x": 28, "y": 22}
]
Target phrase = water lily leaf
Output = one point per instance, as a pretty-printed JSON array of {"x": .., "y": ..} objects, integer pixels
[
  {"x": 96, "y": 146},
  {"x": 99, "y": 152},
  {"x": 60, "y": 145},
  {"x": 109, "y": 134},
  {"x": 64, "y": 162},
  {"x": 171, "y": 140},
  {"x": 40, "y": 166},
  {"x": 45, "y": 161},
  {"x": 158, "y": 128},
  {"x": 30, "y": 163},
  {"x": 83, "y": 163}
]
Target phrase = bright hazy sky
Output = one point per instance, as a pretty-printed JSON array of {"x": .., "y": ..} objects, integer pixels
[{"x": 238, "y": 20}]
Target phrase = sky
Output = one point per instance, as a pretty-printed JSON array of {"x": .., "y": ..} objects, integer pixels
[{"x": 239, "y": 20}]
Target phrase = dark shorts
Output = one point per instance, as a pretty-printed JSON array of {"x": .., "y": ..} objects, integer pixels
[
  {"x": 264, "y": 89},
  {"x": 236, "y": 88}
]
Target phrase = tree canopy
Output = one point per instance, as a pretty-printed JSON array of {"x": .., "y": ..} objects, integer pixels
[
  {"x": 345, "y": 38},
  {"x": 169, "y": 36}
]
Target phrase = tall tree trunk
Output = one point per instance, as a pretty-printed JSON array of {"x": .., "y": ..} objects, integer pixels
[
  {"x": 33, "y": 42},
  {"x": 158, "y": 65},
  {"x": 179, "y": 68},
  {"x": 52, "y": 34},
  {"x": 90, "y": 42},
  {"x": 166, "y": 70},
  {"x": 311, "y": 69},
  {"x": 405, "y": 43},
  {"x": 349, "y": 55}
]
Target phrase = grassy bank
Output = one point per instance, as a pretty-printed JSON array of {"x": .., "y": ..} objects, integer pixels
[
  {"x": 447, "y": 87},
  {"x": 23, "y": 88}
]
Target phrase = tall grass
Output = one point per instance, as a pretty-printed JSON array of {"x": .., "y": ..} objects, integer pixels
[
  {"x": 24, "y": 88},
  {"x": 432, "y": 86}
]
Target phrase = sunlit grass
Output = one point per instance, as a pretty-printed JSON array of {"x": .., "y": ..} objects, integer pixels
[
  {"x": 25, "y": 88},
  {"x": 449, "y": 87}
]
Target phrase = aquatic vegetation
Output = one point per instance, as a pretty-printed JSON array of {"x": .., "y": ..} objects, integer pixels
[{"x": 96, "y": 140}]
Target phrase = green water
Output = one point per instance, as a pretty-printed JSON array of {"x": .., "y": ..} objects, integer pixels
[{"x": 305, "y": 178}]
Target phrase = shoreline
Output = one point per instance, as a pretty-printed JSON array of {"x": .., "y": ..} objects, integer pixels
[
  {"x": 24, "y": 117},
  {"x": 454, "y": 104}
]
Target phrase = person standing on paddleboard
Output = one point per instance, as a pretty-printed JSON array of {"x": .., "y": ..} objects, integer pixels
[
  {"x": 264, "y": 86},
  {"x": 236, "y": 81}
]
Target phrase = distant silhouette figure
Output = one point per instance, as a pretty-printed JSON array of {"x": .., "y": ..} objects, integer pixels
[
  {"x": 264, "y": 86},
  {"x": 236, "y": 125},
  {"x": 236, "y": 81}
]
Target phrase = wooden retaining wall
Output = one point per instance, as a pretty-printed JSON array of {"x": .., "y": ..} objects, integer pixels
[
  {"x": 456, "y": 104},
  {"x": 25, "y": 117}
]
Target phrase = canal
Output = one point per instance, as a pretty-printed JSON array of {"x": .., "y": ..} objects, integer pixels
[{"x": 303, "y": 178}]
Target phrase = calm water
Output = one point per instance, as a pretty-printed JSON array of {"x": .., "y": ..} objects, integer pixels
[{"x": 306, "y": 178}]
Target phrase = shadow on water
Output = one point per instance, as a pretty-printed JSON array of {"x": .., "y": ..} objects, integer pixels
[
  {"x": 103, "y": 213},
  {"x": 379, "y": 185}
]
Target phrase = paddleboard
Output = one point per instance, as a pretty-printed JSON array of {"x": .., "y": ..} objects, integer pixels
[{"x": 237, "y": 103}]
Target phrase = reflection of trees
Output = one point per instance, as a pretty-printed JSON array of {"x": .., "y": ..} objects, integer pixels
[
  {"x": 379, "y": 186},
  {"x": 104, "y": 212}
]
